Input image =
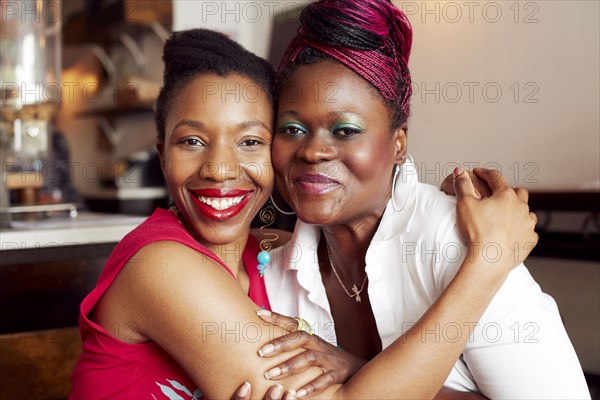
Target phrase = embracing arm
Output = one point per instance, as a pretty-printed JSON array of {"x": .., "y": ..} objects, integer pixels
[
  {"x": 520, "y": 348},
  {"x": 417, "y": 364},
  {"x": 197, "y": 313},
  {"x": 193, "y": 309}
]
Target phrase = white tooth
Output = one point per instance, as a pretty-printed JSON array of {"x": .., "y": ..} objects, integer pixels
[{"x": 221, "y": 203}]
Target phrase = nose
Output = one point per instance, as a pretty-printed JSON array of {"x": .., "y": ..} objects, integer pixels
[
  {"x": 317, "y": 147},
  {"x": 220, "y": 164}
]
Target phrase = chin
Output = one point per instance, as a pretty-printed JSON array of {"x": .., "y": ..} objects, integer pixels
[
  {"x": 315, "y": 215},
  {"x": 221, "y": 235}
]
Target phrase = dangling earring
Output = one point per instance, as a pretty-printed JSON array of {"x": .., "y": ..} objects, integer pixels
[
  {"x": 397, "y": 170},
  {"x": 267, "y": 216},
  {"x": 279, "y": 209}
]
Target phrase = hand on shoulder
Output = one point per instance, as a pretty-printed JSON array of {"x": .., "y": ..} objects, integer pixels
[{"x": 501, "y": 226}]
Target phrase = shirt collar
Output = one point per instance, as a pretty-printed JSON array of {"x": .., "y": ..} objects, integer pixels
[{"x": 302, "y": 248}]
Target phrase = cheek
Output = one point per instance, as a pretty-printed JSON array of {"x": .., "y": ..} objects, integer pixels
[
  {"x": 281, "y": 154},
  {"x": 259, "y": 169},
  {"x": 178, "y": 170},
  {"x": 372, "y": 160}
]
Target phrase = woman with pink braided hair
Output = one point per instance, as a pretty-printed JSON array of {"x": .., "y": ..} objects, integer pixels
[{"x": 373, "y": 248}]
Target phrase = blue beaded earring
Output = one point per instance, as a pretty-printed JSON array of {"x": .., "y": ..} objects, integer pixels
[{"x": 267, "y": 217}]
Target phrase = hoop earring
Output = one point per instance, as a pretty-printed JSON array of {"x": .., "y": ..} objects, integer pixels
[
  {"x": 397, "y": 169},
  {"x": 279, "y": 209}
]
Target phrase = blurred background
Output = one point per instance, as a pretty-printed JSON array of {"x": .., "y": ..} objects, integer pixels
[{"x": 510, "y": 85}]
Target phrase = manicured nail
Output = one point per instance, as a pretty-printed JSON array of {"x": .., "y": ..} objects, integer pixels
[
  {"x": 301, "y": 393},
  {"x": 263, "y": 313},
  {"x": 276, "y": 392},
  {"x": 243, "y": 391},
  {"x": 273, "y": 372},
  {"x": 290, "y": 395},
  {"x": 457, "y": 171},
  {"x": 266, "y": 349}
]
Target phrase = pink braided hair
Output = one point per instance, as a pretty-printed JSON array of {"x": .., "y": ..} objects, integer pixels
[{"x": 382, "y": 66}]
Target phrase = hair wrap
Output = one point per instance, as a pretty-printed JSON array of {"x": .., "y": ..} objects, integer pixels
[{"x": 371, "y": 37}]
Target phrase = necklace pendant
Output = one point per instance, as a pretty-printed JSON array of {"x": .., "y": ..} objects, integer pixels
[{"x": 356, "y": 293}]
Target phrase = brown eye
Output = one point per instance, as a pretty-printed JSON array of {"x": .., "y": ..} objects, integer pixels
[
  {"x": 346, "y": 130},
  {"x": 192, "y": 142},
  {"x": 251, "y": 142},
  {"x": 292, "y": 130}
]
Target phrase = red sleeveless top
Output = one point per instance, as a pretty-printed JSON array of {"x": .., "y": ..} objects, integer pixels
[{"x": 109, "y": 368}]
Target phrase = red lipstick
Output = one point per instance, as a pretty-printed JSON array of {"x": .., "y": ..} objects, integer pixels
[{"x": 220, "y": 204}]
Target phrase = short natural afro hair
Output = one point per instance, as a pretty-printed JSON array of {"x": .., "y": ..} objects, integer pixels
[{"x": 194, "y": 52}]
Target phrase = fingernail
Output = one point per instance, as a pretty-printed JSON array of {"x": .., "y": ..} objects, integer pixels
[
  {"x": 243, "y": 391},
  {"x": 273, "y": 372},
  {"x": 477, "y": 194},
  {"x": 266, "y": 349},
  {"x": 457, "y": 171},
  {"x": 263, "y": 313},
  {"x": 276, "y": 392},
  {"x": 301, "y": 393},
  {"x": 290, "y": 395}
]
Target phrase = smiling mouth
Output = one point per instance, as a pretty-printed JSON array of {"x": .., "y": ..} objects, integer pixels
[
  {"x": 221, "y": 204},
  {"x": 317, "y": 184}
]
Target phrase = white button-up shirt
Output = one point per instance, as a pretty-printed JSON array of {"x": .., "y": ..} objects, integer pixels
[{"x": 519, "y": 349}]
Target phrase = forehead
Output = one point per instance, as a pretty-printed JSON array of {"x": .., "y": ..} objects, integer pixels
[
  {"x": 331, "y": 85},
  {"x": 212, "y": 97}
]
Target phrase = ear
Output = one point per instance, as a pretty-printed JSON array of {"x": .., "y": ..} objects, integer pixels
[{"x": 399, "y": 137}]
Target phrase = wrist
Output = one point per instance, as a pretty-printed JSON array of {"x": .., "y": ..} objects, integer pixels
[{"x": 486, "y": 265}]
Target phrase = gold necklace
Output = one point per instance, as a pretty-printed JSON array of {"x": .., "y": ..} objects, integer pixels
[{"x": 355, "y": 289}]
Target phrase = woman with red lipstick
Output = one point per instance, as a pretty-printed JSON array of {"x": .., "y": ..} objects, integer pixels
[
  {"x": 373, "y": 248},
  {"x": 175, "y": 313}
]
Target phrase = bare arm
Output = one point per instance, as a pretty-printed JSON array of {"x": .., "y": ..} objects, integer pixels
[
  {"x": 198, "y": 314},
  {"x": 194, "y": 310}
]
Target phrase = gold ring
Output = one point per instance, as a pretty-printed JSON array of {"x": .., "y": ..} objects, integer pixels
[{"x": 303, "y": 325}]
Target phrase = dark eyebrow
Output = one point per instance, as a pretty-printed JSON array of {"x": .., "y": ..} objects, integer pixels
[
  {"x": 250, "y": 124},
  {"x": 188, "y": 122},
  {"x": 199, "y": 125}
]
